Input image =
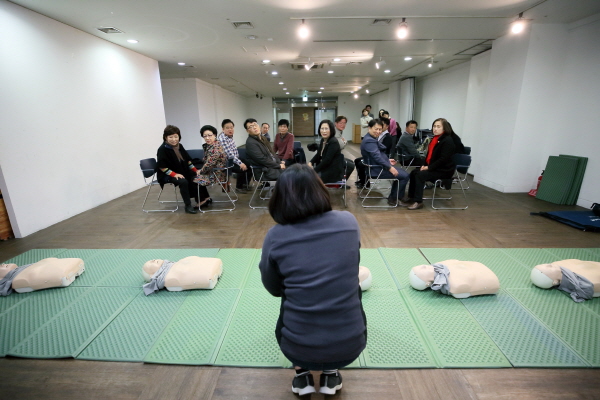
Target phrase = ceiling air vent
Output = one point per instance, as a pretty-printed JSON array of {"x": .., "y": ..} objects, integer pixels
[
  {"x": 381, "y": 22},
  {"x": 109, "y": 29},
  {"x": 300, "y": 66},
  {"x": 243, "y": 25}
]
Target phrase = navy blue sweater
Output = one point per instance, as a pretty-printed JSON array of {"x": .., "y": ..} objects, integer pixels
[{"x": 313, "y": 266}]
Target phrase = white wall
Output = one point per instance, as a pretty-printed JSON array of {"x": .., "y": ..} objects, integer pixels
[
  {"x": 262, "y": 111},
  {"x": 351, "y": 108},
  {"x": 443, "y": 95},
  {"x": 77, "y": 112},
  {"x": 379, "y": 101},
  {"x": 193, "y": 103}
]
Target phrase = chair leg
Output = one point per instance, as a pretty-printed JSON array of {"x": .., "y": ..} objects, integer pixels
[
  {"x": 449, "y": 198},
  {"x": 176, "y": 201}
]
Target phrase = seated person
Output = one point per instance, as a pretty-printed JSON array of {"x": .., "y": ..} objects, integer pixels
[
  {"x": 264, "y": 131},
  {"x": 283, "y": 145},
  {"x": 214, "y": 157},
  {"x": 240, "y": 167},
  {"x": 386, "y": 137},
  {"x": 46, "y": 273},
  {"x": 579, "y": 278},
  {"x": 364, "y": 278},
  {"x": 373, "y": 153},
  {"x": 406, "y": 146},
  {"x": 260, "y": 153},
  {"x": 188, "y": 273},
  {"x": 460, "y": 279},
  {"x": 327, "y": 161}
]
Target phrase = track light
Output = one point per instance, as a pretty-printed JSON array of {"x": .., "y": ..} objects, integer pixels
[
  {"x": 257, "y": 95},
  {"x": 303, "y": 31},
  {"x": 403, "y": 29},
  {"x": 304, "y": 97},
  {"x": 309, "y": 65},
  {"x": 518, "y": 25},
  {"x": 380, "y": 63},
  {"x": 430, "y": 63}
]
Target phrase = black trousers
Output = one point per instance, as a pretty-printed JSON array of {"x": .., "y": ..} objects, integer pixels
[
  {"x": 187, "y": 187},
  {"x": 243, "y": 177},
  {"x": 417, "y": 181},
  {"x": 361, "y": 171}
]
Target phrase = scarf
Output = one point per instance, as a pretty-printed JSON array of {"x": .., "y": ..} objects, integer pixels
[
  {"x": 177, "y": 153},
  {"x": 432, "y": 144}
]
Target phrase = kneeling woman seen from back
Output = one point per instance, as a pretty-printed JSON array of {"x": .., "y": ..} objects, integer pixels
[{"x": 310, "y": 259}]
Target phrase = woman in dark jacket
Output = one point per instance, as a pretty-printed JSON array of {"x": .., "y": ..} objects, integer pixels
[
  {"x": 327, "y": 162},
  {"x": 310, "y": 259},
  {"x": 174, "y": 165},
  {"x": 438, "y": 164}
]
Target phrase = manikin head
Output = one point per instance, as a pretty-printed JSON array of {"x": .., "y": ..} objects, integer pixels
[
  {"x": 421, "y": 277},
  {"x": 6, "y": 268},
  {"x": 150, "y": 267},
  {"x": 546, "y": 276},
  {"x": 364, "y": 278}
]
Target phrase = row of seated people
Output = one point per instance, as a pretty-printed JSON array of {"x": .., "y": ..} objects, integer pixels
[{"x": 438, "y": 163}]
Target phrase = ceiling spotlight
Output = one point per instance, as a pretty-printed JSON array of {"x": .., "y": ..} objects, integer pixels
[
  {"x": 402, "y": 29},
  {"x": 367, "y": 91},
  {"x": 257, "y": 95},
  {"x": 303, "y": 31},
  {"x": 274, "y": 73},
  {"x": 309, "y": 65},
  {"x": 380, "y": 63},
  {"x": 266, "y": 61},
  {"x": 356, "y": 96},
  {"x": 518, "y": 25},
  {"x": 330, "y": 72},
  {"x": 387, "y": 71},
  {"x": 430, "y": 63},
  {"x": 408, "y": 58},
  {"x": 304, "y": 98},
  {"x": 180, "y": 63},
  {"x": 132, "y": 41}
]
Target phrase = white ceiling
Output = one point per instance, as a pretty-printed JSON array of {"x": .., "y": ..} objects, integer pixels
[{"x": 201, "y": 34}]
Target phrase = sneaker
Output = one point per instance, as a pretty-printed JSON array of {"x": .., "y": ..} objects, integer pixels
[
  {"x": 330, "y": 383},
  {"x": 303, "y": 383}
]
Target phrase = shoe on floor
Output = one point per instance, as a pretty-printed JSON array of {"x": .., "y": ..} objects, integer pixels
[
  {"x": 392, "y": 202},
  {"x": 415, "y": 206},
  {"x": 330, "y": 383},
  {"x": 406, "y": 199},
  {"x": 303, "y": 383},
  {"x": 190, "y": 210},
  {"x": 241, "y": 190}
]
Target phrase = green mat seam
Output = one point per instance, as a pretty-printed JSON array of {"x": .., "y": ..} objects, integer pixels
[
  {"x": 217, "y": 349},
  {"x": 419, "y": 326},
  {"x": 556, "y": 335},
  {"x": 389, "y": 268},
  {"x": 103, "y": 326}
]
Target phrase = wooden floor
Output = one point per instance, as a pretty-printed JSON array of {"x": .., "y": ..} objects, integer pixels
[{"x": 493, "y": 219}]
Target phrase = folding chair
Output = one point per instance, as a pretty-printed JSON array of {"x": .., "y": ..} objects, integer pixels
[
  {"x": 148, "y": 167},
  {"x": 342, "y": 183},
  {"x": 223, "y": 185},
  {"x": 403, "y": 161},
  {"x": 463, "y": 169},
  {"x": 261, "y": 187},
  {"x": 197, "y": 155},
  {"x": 462, "y": 161},
  {"x": 375, "y": 181}
]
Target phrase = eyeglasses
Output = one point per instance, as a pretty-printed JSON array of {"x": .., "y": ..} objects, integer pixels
[
  {"x": 208, "y": 135},
  {"x": 252, "y": 126}
]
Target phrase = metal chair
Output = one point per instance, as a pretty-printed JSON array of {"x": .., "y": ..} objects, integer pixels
[
  {"x": 462, "y": 161},
  {"x": 148, "y": 167},
  {"x": 403, "y": 161},
  {"x": 197, "y": 154},
  {"x": 341, "y": 184},
  {"x": 257, "y": 175},
  {"x": 223, "y": 184},
  {"x": 462, "y": 170},
  {"x": 374, "y": 173}
]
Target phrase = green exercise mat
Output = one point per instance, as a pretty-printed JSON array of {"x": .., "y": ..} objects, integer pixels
[
  {"x": 559, "y": 175},
  {"x": 400, "y": 261},
  {"x": 578, "y": 180}
]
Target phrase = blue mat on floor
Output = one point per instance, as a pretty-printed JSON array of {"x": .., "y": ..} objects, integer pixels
[{"x": 587, "y": 221}]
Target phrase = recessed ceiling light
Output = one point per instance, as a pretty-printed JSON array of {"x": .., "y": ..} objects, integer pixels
[
  {"x": 337, "y": 59},
  {"x": 266, "y": 61},
  {"x": 132, "y": 41},
  {"x": 360, "y": 87},
  {"x": 287, "y": 92},
  {"x": 407, "y": 58},
  {"x": 251, "y": 37},
  {"x": 387, "y": 71},
  {"x": 351, "y": 92},
  {"x": 321, "y": 88},
  {"x": 274, "y": 73},
  {"x": 356, "y": 96},
  {"x": 281, "y": 83},
  {"x": 180, "y": 63},
  {"x": 319, "y": 92},
  {"x": 330, "y": 72},
  {"x": 284, "y": 88},
  {"x": 367, "y": 91}
]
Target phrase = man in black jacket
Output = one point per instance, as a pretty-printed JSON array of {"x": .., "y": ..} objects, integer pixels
[{"x": 260, "y": 153}]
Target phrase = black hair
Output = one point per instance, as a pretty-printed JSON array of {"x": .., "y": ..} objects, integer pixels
[
  {"x": 412, "y": 121},
  {"x": 445, "y": 124},
  {"x": 375, "y": 121},
  {"x": 368, "y": 105},
  {"x": 248, "y": 121},
  {"x": 171, "y": 130},
  {"x": 298, "y": 194},
  {"x": 339, "y": 118},
  {"x": 208, "y": 128},
  {"x": 283, "y": 122},
  {"x": 331, "y": 127},
  {"x": 226, "y": 121},
  {"x": 385, "y": 121},
  {"x": 265, "y": 123}
]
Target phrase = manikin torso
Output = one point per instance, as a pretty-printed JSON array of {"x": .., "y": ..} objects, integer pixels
[
  {"x": 466, "y": 278},
  {"x": 587, "y": 269},
  {"x": 46, "y": 273},
  {"x": 188, "y": 273}
]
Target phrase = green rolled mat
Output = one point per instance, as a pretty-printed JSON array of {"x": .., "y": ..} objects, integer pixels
[
  {"x": 578, "y": 180},
  {"x": 559, "y": 175}
]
